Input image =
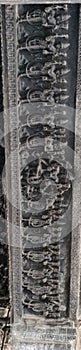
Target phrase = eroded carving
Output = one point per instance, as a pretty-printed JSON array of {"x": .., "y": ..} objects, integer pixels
[{"x": 43, "y": 43}]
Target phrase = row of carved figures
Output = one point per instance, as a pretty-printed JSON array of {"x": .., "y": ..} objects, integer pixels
[{"x": 42, "y": 45}]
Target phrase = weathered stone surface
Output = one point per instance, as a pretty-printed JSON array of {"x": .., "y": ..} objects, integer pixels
[
  {"x": 44, "y": 72},
  {"x": 43, "y": 238},
  {"x": 23, "y": 2},
  {"x": 4, "y": 292}
]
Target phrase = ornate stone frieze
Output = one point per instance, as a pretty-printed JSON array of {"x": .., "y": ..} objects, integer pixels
[
  {"x": 41, "y": 44},
  {"x": 43, "y": 71}
]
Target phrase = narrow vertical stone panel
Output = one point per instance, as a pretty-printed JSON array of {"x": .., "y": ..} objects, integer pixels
[
  {"x": 3, "y": 235},
  {"x": 4, "y": 256},
  {"x": 76, "y": 209},
  {"x": 12, "y": 168},
  {"x": 44, "y": 71},
  {"x": 42, "y": 84}
]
